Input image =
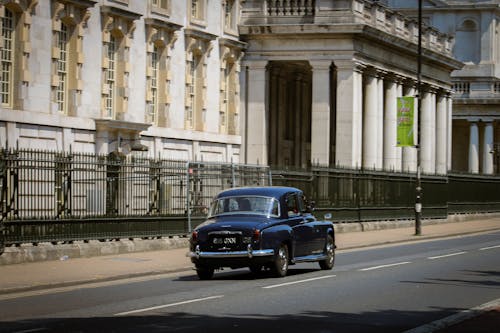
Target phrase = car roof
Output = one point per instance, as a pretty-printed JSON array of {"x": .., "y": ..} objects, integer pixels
[{"x": 267, "y": 191}]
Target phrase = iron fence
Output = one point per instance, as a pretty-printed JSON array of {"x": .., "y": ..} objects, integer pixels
[
  {"x": 64, "y": 196},
  {"x": 360, "y": 195}
]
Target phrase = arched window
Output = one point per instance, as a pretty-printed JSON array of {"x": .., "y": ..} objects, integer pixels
[{"x": 468, "y": 42}]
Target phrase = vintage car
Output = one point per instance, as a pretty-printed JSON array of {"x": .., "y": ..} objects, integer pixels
[{"x": 261, "y": 228}]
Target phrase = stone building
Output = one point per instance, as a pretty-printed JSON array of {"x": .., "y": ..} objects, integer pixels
[
  {"x": 288, "y": 83},
  {"x": 320, "y": 81},
  {"x": 149, "y": 77},
  {"x": 476, "y": 86}
]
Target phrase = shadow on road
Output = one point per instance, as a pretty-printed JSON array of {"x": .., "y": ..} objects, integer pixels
[{"x": 311, "y": 322}]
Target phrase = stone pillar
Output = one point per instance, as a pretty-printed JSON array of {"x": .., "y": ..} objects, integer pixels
[
  {"x": 441, "y": 134},
  {"x": 410, "y": 153},
  {"x": 488, "y": 148},
  {"x": 320, "y": 121},
  {"x": 392, "y": 154},
  {"x": 473, "y": 148},
  {"x": 370, "y": 126},
  {"x": 428, "y": 133},
  {"x": 449, "y": 131},
  {"x": 349, "y": 114},
  {"x": 256, "y": 125},
  {"x": 380, "y": 120}
]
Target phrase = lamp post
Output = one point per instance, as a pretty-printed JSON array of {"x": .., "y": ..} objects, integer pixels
[{"x": 418, "y": 185}]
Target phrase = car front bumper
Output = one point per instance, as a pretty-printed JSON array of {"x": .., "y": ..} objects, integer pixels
[{"x": 249, "y": 253}]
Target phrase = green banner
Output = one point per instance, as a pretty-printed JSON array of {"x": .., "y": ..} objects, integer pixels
[{"x": 405, "y": 119}]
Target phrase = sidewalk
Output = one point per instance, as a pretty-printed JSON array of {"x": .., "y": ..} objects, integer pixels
[{"x": 70, "y": 272}]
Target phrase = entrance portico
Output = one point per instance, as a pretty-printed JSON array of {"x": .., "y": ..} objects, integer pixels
[{"x": 320, "y": 96}]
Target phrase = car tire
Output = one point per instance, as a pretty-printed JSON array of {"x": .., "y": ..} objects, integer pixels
[
  {"x": 280, "y": 265},
  {"x": 330, "y": 253},
  {"x": 204, "y": 273}
]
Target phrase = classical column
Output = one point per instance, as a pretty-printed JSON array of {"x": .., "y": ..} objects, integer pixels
[
  {"x": 370, "y": 126},
  {"x": 380, "y": 120},
  {"x": 441, "y": 134},
  {"x": 410, "y": 153},
  {"x": 349, "y": 114},
  {"x": 449, "y": 102},
  {"x": 488, "y": 148},
  {"x": 428, "y": 133},
  {"x": 256, "y": 122},
  {"x": 320, "y": 121},
  {"x": 392, "y": 154},
  {"x": 473, "y": 148}
]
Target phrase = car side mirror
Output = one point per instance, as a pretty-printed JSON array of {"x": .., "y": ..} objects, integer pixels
[
  {"x": 328, "y": 216},
  {"x": 310, "y": 206}
]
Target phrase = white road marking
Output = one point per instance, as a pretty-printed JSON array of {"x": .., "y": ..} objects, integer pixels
[
  {"x": 168, "y": 305},
  {"x": 385, "y": 266},
  {"x": 295, "y": 282},
  {"x": 489, "y": 247},
  {"x": 447, "y": 255}
]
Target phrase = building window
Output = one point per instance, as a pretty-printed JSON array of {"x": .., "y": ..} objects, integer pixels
[
  {"x": 158, "y": 74},
  {"x": 153, "y": 104},
  {"x": 230, "y": 15},
  {"x": 163, "y": 4},
  {"x": 161, "y": 7},
  {"x": 192, "y": 91},
  {"x": 62, "y": 68},
  {"x": 7, "y": 53},
  {"x": 110, "y": 77},
  {"x": 198, "y": 11}
]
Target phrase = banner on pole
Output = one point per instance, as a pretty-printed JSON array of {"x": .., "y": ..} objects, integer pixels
[{"x": 405, "y": 122}]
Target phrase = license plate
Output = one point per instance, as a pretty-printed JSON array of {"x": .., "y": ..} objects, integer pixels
[{"x": 225, "y": 240}]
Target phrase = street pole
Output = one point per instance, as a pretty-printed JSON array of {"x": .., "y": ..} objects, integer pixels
[{"x": 418, "y": 185}]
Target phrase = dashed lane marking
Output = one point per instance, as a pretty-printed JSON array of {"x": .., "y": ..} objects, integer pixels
[
  {"x": 447, "y": 255},
  {"x": 300, "y": 281},
  {"x": 384, "y": 266},
  {"x": 489, "y": 247},
  {"x": 168, "y": 305}
]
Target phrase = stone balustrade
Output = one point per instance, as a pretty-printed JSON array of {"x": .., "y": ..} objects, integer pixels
[{"x": 342, "y": 12}]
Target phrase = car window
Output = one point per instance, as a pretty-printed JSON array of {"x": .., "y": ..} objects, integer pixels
[
  {"x": 292, "y": 205},
  {"x": 245, "y": 205}
]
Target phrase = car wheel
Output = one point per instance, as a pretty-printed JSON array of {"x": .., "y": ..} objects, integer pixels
[
  {"x": 280, "y": 265},
  {"x": 330, "y": 254},
  {"x": 204, "y": 273},
  {"x": 255, "y": 269}
]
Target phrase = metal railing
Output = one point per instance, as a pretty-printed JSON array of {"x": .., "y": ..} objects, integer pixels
[{"x": 63, "y": 196}]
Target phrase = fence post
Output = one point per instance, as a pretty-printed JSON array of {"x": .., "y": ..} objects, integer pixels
[
  {"x": 233, "y": 177},
  {"x": 188, "y": 199}
]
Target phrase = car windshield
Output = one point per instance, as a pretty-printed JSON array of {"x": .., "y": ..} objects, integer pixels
[{"x": 245, "y": 205}]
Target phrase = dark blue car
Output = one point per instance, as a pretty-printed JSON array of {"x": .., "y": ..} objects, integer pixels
[{"x": 261, "y": 227}]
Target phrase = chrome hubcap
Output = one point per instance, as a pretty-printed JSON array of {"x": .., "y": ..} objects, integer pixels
[{"x": 283, "y": 259}]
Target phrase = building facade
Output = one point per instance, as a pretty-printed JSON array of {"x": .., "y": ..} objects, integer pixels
[
  {"x": 321, "y": 80},
  {"x": 155, "y": 77},
  {"x": 476, "y": 86},
  {"x": 285, "y": 83}
]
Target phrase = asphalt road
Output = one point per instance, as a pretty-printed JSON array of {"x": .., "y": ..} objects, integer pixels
[{"x": 389, "y": 289}]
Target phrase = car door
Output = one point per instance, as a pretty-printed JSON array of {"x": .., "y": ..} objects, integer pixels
[
  {"x": 303, "y": 229},
  {"x": 316, "y": 243}
]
